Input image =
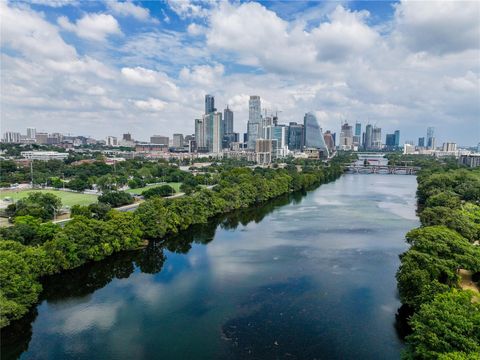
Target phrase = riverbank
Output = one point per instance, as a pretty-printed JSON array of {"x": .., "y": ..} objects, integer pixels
[
  {"x": 435, "y": 278},
  {"x": 87, "y": 239}
]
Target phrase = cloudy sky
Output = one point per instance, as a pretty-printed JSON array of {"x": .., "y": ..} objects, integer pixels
[{"x": 104, "y": 68}]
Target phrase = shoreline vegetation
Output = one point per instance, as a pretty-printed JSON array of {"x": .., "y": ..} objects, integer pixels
[
  {"x": 88, "y": 238},
  {"x": 443, "y": 316}
]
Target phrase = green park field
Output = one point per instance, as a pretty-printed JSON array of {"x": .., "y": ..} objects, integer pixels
[
  {"x": 139, "y": 191},
  {"x": 68, "y": 198}
]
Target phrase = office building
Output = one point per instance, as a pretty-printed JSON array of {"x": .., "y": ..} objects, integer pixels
[
  {"x": 390, "y": 141},
  {"x": 159, "y": 139},
  {"x": 421, "y": 142},
  {"x": 313, "y": 134},
  {"x": 209, "y": 104},
  {"x": 295, "y": 137},
  {"x": 368, "y": 137},
  {"x": 254, "y": 120},
  {"x": 127, "y": 137},
  {"x": 279, "y": 133},
  {"x": 431, "y": 138},
  {"x": 177, "y": 141},
  {"x": 397, "y": 138},
  {"x": 228, "y": 121}
]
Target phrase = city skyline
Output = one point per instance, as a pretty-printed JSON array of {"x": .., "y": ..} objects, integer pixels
[
  {"x": 226, "y": 127},
  {"x": 103, "y": 69}
]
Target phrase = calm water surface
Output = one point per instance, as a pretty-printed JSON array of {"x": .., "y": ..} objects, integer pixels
[{"x": 304, "y": 277}]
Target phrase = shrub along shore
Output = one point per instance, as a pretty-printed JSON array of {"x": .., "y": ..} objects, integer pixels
[
  {"x": 88, "y": 237},
  {"x": 446, "y": 318}
]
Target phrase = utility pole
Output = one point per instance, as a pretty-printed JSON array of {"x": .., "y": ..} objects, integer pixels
[{"x": 31, "y": 172}]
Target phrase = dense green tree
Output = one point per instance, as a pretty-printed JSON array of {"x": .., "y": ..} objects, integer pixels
[
  {"x": 163, "y": 190},
  {"x": 19, "y": 287},
  {"x": 116, "y": 198},
  {"x": 448, "y": 324},
  {"x": 43, "y": 206}
]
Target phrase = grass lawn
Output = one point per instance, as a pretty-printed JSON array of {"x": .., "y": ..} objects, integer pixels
[
  {"x": 139, "y": 191},
  {"x": 68, "y": 198}
]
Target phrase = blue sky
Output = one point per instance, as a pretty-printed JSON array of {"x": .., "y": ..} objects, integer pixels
[{"x": 104, "y": 68}]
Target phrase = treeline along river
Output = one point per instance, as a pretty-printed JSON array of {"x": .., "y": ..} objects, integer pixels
[{"x": 303, "y": 276}]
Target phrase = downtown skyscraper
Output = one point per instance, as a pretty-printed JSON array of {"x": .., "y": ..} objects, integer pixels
[
  {"x": 209, "y": 104},
  {"x": 254, "y": 120}
]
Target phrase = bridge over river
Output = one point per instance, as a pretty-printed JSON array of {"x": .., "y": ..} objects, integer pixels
[{"x": 356, "y": 168}]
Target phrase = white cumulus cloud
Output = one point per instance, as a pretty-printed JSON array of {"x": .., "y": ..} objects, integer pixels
[{"x": 92, "y": 26}]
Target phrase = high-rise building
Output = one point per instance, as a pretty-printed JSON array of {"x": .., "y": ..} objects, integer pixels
[
  {"x": 358, "y": 129},
  {"x": 127, "y": 137},
  {"x": 209, "y": 104},
  {"x": 11, "y": 137},
  {"x": 313, "y": 134},
  {"x": 177, "y": 141},
  {"x": 279, "y": 133},
  {"x": 213, "y": 132},
  {"x": 216, "y": 132},
  {"x": 200, "y": 138},
  {"x": 357, "y": 137},
  {"x": 430, "y": 138},
  {"x": 159, "y": 139},
  {"x": 228, "y": 121},
  {"x": 390, "y": 141},
  {"x": 346, "y": 137},
  {"x": 254, "y": 120},
  {"x": 377, "y": 138},
  {"x": 421, "y": 142},
  {"x": 31, "y": 133},
  {"x": 449, "y": 146},
  {"x": 329, "y": 140},
  {"x": 397, "y": 138},
  {"x": 295, "y": 137},
  {"x": 368, "y": 137}
]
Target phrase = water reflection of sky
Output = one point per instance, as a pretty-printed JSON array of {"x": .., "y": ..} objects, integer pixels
[{"x": 313, "y": 278}]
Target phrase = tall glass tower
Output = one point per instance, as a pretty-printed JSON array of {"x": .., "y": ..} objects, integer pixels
[
  {"x": 228, "y": 121},
  {"x": 209, "y": 104},
  {"x": 313, "y": 133}
]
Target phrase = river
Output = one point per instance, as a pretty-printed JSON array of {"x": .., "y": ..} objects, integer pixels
[{"x": 303, "y": 277}]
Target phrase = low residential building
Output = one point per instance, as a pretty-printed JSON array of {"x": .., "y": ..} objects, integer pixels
[{"x": 470, "y": 160}]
